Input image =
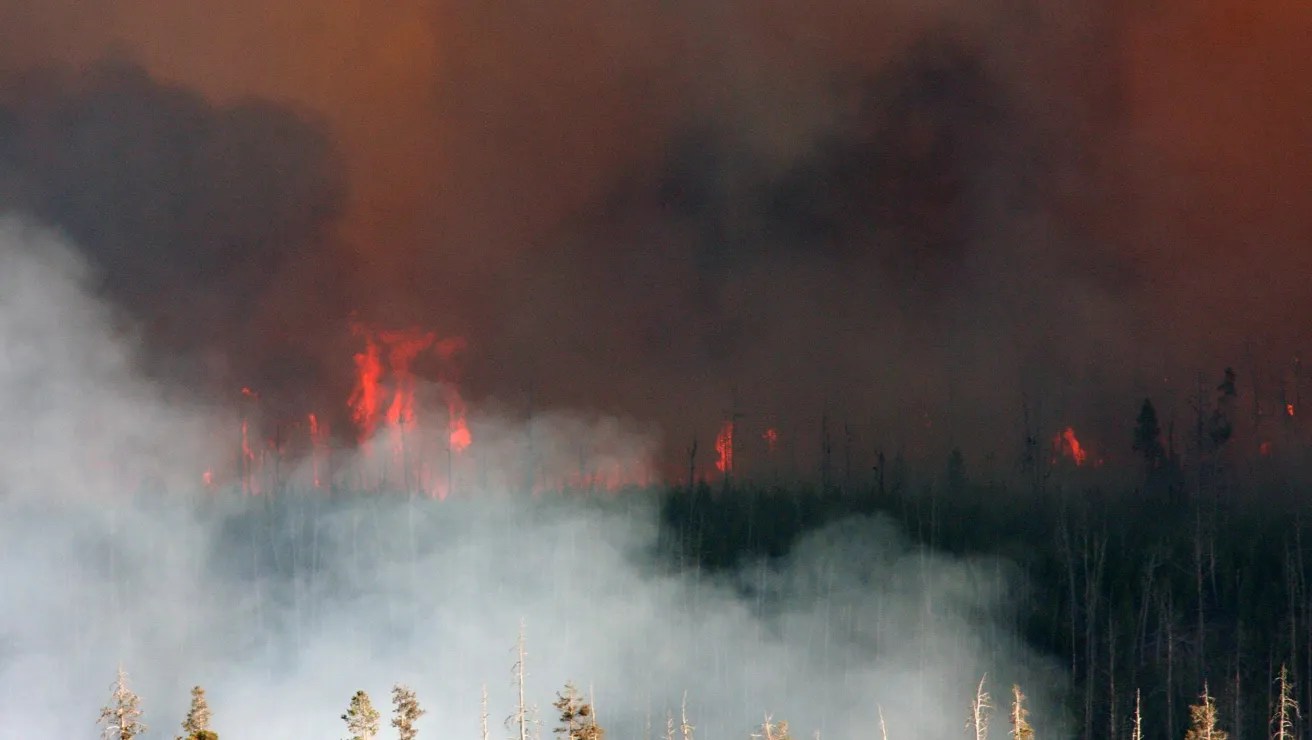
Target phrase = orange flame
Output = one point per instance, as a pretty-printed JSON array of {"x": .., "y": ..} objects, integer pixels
[
  {"x": 724, "y": 446},
  {"x": 364, "y": 397},
  {"x": 1289, "y": 409},
  {"x": 1067, "y": 444},
  {"x": 394, "y": 385}
]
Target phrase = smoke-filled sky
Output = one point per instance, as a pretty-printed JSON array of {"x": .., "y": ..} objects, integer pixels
[
  {"x": 909, "y": 214},
  {"x": 283, "y": 606}
]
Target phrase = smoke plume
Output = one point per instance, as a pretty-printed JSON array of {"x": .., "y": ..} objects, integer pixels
[
  {"x": 918, "y": 213},
  {"x": 283, "y": 606}
]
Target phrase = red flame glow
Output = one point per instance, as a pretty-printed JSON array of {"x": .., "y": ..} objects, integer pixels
[
  {"x": 1068, "y": 445},
  {"x": 771, "y": 438},
  {"x": 724, "y": 447}
]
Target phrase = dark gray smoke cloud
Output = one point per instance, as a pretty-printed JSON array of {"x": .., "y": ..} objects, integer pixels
[
  {"x": 208, "y": 225},
  {"x": 910, "y": 214},
  {"x": 284, "y": 606}
]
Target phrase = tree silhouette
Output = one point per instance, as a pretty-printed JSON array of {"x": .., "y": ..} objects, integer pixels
[{"x": 1148, "y": 436}]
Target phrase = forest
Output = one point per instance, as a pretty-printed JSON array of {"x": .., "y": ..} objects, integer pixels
[{"x": 1179, "y": 605}]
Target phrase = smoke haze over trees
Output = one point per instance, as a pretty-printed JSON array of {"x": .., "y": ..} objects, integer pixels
[
  {"x": 918, "y": 211},
  {"x": 967, "y": 333}
]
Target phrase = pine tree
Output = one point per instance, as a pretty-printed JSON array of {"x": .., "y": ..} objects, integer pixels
[
  {"x": 1020, "y": 723},
  {"x": 771, "y": 730},
  {"x": 1222, "y": 426},
  {"x": 523, "y": 719},
  {"x": 685, "y": 727},
  {"x": 577, "y": 719},
  {"x": 406, "y": 712},
  {"x": 1148, "y": 436},
  {"x": 361, "y": 718},
  {"x": 978, "y": 722},
  {"x": 122, "y": 716},
  {"x": 1137, "y": 732},
  {"x": 197, "y": 724},
  {"x": 1202, "y": 720},
  {"x": 1286, "y": 711}
]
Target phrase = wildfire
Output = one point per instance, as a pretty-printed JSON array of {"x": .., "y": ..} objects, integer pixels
[
  {"x": 724, "y": 447},
  {"x": 364, "y": 397},
  {"x": 771, "y": 438},
  {"x": 386, "y": 408},
  {"x": 384, "y": 395},
  {"x": 1065, "y": 443},
  {"x": 1289, "y": 409}
]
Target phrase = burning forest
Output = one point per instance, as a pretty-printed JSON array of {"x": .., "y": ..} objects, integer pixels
[{"x": 844, "y": 364}]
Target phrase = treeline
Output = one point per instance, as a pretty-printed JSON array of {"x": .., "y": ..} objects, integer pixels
[
  {"x": 577, "y": 719},
  {"x": 1193, "y": 569}
]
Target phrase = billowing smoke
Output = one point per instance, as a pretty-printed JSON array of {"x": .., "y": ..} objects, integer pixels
[
  {"x": 282, "y": 606},
  {"x": 915, "y": 213}
]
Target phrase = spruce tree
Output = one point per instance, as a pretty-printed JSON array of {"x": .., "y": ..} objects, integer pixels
[
  {"x": 406, "y": 711},
  {"x": 1148, "y": 436},
  {"x": 122, "y": 716},
  {"x": 577, "y": 719},
  {"x": 771, "y": 730},
  {"x": 1020, "y": 722},
  {"x": 197, "y": 724},
  {"x": 1202, "y": 720},
  {"x": 1222, "y": 425},
  {"x": 978, "y": 721},
  {"x": 361, "y": 718},
  {"x": 1286, "y": 711}
]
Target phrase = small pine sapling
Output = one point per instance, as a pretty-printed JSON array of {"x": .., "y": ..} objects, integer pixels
[
  {"x": 771, "y": 730},
  {"x": 197, "y": 724},
  {"x": 1138, "y": 718},
  {"x": 1286, "y": 711},
  {"x": 685, "y": 727},
  {"x": 1020, "y": 722},
  {"x": 406, "y": 711},
  {"x": 1202, "y": 719},
  {"x": 523, "y": 720},
  {"x": 577, "y": 719},
  {"x": 122, "y": 716},
  {"x": 361, "y": 718},
  {"x": 978, "y": 722}
]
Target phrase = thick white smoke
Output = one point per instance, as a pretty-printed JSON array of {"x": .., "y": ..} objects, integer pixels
[{"x": 283, "y": 606}]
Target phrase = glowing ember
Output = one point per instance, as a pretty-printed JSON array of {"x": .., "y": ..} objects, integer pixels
[
  {"x": 1068, "y": 445},
  {"x": 771, "y": 438},
  {"x": 724, "y": 447},
  {"x": 460, "y": 437},
  {"x": 1289, "y": 409}
]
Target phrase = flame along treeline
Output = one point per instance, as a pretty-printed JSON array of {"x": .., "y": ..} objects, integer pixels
[{"x": 395, "y": 449}]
